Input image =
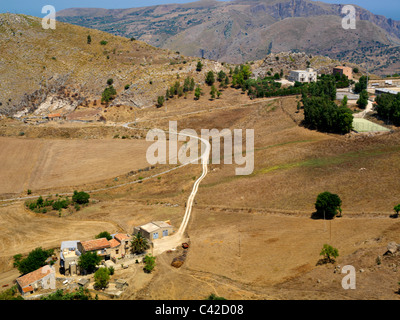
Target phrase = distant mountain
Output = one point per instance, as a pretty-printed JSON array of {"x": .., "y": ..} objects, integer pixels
[{"x": 247, "y": 30}]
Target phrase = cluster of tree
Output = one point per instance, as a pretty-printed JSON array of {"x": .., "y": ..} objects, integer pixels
[
  {"x": 240, "y": 76},
  {"x": 11, "y": 294},
  {"x": 42, "y": 206},
  {"x": 35, "y": 260},
  {"x": 79, "y": 294},
  {"x": 388, "y": 107},
  {"x": 361, "y": 84},
  {"x": 177, "y": 89},
  {"x": 342, "y": 81},
  {"x": 320, "y": 110},
  {"x": 104, "y": 234},
  {"x": 324, "y": 115},
  {"x": 108, "y": 94}
]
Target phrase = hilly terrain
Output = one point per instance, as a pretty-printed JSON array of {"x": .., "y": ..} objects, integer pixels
[
  {"x": 240, "y": 31},
  {"x": 60, "y": 69}
]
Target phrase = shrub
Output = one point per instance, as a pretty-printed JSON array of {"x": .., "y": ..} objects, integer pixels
[
  {"x": 149, "y": 261},
  {"x": 80, "y": 197},
  {"x": 329, "y": 252},
  {"x": 103, "y": 42},
  {"x": 101, "y": 278}
]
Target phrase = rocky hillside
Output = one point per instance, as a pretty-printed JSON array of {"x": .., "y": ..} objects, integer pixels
[
  {"x": 59, "y": 70},
  {"x": 242, "y": 30}
]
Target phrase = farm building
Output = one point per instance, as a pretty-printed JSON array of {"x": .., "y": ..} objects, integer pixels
[
  {"x": 155, "y": 230},
  {"x": 120, "y": 245},
  {"x": 308, "y": 75},
  {"x": 69, "y": 256},
  {"x": 54, "y": 116},
  {"x": 101, "y": 246},
  {"x": 347, "y": 71},
  {"x": 42, "y": 278}
]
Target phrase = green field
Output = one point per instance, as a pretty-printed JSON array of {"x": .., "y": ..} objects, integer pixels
[{"x": 362, "y": 125}]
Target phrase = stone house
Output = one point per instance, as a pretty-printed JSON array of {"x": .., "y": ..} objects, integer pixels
[{"x": 42, "y": 278}]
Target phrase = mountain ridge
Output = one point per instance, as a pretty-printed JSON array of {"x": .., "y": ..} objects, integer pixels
[{"x": 239, "y": 31}]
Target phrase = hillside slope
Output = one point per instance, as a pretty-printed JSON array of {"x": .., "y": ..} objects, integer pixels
[
  {"x": 58, "y": 67},
  {"x": 240, "y": 31}
]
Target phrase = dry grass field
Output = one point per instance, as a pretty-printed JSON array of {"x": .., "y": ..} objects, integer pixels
[
  {"x": 38, "y": 164},
  {"x": 251, "y": 237}
]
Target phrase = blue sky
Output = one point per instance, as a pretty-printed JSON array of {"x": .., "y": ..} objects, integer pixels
[{"x": 388, "y": 8}]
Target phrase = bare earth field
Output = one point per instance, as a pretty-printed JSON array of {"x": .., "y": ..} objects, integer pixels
[
  {"x": 251, "y": 237},
  {"x": 43, "y": 163}
]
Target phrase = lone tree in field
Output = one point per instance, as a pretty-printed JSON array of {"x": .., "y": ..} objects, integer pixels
[
  {"x": 328, "y": 205},
  {"x": 397, "y": 210},
  {"x": 329, "y": 252}
]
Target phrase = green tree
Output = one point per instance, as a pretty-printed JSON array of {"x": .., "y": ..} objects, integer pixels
[
  {"x": 328, "y": 205},
  {"x": 101, "y": 278},
  {"x": 35, "y": 260},
  {"x": 104, "y": 234},
  {"x": 213, "y": 296},
  {"x": 103, "y": 42},
  {"x": 110, "y": 81},
  {"x": 108, "y": 94},
  {"x": 197, "y": 93},
  {"x": 361, "y": 84},
  {"x": 397, "y": 209},
  {"x": 89, "y": 39},
  {"x": 345, "y": 101},
  {"x": 160, "y": 101},
  {"x": 139, "y": 243},
  {"x": 89, "y": 261},
  {"x": 199, "y": 66},
  {"x": 80, "y": 197},
  {"x": 329, "y": 252},
  {"x": 210, "y": 79},
  {"x": 362, "y": 102},
  {"x": 213, "y": 92},
  {"x": 150, "y": 263}
]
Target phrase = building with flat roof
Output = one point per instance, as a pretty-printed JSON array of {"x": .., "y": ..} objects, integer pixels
[
  {"x": 347, "y": 71},
  {"x": 303, "y": 76},
  {"x": 155, "y": 230},
  {"x": 69, "y": 256},
  {"x": 379, "y": 91}
]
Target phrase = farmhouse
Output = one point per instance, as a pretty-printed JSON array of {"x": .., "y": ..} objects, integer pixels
[
  {"x": 347, "y": 71},
  {"x": 120, "y": 245},
  {"x": 308, "y": 75},
  {"x": 54, "y": 116},
  {"x": 155, "y": 230},
  {"x": 100, "y": 246},
  {"x": 42, "y": 278}
]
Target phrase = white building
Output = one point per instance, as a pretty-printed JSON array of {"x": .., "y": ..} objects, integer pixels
[{"x": 308, "y": 75}]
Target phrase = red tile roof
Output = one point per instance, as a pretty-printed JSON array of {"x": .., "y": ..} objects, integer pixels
[
  {"x": 34, "y": 276},
  {"x": 114, "y": 243},
  {"x": 121, "y": 236},
  {"x": 54, "y": 115},
  {"x": 96, "y": 244}
]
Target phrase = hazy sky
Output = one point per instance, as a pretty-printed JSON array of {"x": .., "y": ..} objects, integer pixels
[{"x": 388, "y": 8}]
